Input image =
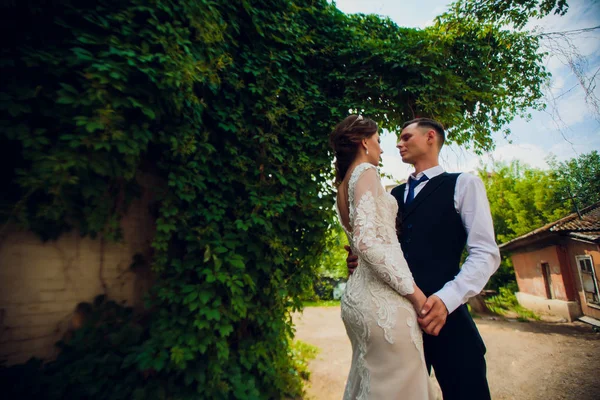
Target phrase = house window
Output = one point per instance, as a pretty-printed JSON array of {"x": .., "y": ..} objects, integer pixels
[
  {"x": 547, "y": 280},
  {"x": 589, "y": 282}
]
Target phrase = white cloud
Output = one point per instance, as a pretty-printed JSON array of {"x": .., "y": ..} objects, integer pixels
[
  {"x": 583, "y": 142},
  {"x": 530, "y": 154},
  {"x": 456, "y": 159}
]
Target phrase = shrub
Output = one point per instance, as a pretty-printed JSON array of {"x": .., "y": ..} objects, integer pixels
[{"x": 96, "y": 362}]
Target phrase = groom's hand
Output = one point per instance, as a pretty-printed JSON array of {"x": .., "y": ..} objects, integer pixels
[
  {"x": 433, "y": 315},
  {"x": 351, "y": 260}
]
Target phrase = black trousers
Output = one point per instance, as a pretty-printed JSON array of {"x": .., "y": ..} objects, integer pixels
[{"x": 457, "y": 355}]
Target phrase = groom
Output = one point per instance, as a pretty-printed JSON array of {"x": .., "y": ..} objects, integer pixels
[{"x": 438, "y": 214}]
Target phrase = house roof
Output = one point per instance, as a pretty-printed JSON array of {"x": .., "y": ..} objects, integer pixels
[{"x": 587, "y": 227}]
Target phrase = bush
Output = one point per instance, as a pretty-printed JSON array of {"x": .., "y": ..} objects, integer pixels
[
  {"x": 96, "y": 362},
  {"x": 507, "y": 301},
  {"x": 504, "y": 276},
  {"x": 302, "y": 353}
]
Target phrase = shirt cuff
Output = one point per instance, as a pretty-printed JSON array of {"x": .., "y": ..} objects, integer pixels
[{"x": 450, "y": 298}]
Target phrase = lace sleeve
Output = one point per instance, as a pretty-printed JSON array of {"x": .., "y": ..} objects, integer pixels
[{"x": 381, "y": 254}]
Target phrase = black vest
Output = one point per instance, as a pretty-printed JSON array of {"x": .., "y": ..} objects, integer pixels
[{"x": 431, "y": 233}]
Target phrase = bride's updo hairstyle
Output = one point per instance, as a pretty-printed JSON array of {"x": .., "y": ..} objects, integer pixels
[{"x": 345, "y": 141}]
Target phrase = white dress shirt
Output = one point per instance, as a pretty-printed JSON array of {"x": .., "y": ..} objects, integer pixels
[{"x": 470, "y": 201}]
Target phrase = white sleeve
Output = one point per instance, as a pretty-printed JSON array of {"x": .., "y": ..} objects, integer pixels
[
  {"x": 383, "y": 256},
  {"x": 483, "y": 255}
]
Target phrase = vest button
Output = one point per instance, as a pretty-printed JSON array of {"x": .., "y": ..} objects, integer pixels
[{"x": 409, "y": 226}]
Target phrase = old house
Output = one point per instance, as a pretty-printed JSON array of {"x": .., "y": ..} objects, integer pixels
[{"x": 557, "y": 266}]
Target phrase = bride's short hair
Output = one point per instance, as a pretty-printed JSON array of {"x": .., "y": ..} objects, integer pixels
[{"x": 345, "y": 140}]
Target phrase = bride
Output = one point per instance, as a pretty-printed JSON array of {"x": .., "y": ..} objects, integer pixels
[{"x": 378, "y": 306}]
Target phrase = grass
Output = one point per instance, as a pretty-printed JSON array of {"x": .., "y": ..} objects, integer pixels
[
  {"x": 506, "y": 302},
  {"x": 302, "y": 353},
  {"x": 322, "y": 303}
]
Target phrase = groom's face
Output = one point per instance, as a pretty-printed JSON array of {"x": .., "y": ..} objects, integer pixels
[{"x": 413, "y": 143}]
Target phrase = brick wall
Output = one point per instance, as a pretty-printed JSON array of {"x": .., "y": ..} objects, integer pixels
[{"x": 41, "y": 283}]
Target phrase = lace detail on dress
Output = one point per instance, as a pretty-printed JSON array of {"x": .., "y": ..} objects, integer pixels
[
  {"x": 356, "y": 322},
  {"x": 374, "y": 238},
  {"x": 416, "y": 335},
  {"x": 376, "y": 290}
]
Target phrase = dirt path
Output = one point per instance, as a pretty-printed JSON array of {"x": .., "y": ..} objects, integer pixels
[{"x": 526, "y": 361}]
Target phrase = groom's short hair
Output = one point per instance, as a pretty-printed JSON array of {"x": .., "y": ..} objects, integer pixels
[{"x": 429, "y": 123}]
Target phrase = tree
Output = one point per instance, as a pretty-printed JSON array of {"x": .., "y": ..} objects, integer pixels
[
  {"x": 521, "y": 199},
  {"x": 230, "y": 104},
  {"x": 520, "y": 15},
  {"x": 332, "y": 267},
  {"x": 579, "y": 179},
  {"x": 515, "y": 13}
]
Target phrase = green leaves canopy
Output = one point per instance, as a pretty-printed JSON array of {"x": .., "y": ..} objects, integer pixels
[
  {"x": 522, "y": 199},
  {"x": 505, "y": 12},
  {"x": 578, "y": 179}
]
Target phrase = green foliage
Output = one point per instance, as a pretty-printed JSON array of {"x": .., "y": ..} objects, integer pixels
[
  {"x": 302, "y": 353},
  {"x": 507, "y": 12},
  {"x": 230, "y": 104},
  {"x": 97, "y": 362},
  {"x": 504, "y": 275},
  {"x": 521, "y": 199},
  {"x": 333, "y": 260},
  {"x": 331, "y": 268},
  {"x": 322, "y": 303},
  {"x": 485, "y": 91},
  {"x": 578, "y": 179},
  {"x": 506, "y": 301}
]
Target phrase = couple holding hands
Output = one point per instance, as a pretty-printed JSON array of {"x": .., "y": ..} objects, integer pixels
[{"x": 404, "y": 305}]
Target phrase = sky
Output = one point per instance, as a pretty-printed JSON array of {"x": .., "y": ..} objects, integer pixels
[{"x": 566, "y": 129}]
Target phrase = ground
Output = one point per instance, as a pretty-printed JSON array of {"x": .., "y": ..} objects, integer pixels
[{"x": 526, "y": 360}]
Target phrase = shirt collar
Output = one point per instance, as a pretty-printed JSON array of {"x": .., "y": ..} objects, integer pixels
[{"x": 431, "y": 172}]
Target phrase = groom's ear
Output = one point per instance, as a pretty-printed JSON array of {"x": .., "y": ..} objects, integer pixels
[{"x": 431, "y": 136}]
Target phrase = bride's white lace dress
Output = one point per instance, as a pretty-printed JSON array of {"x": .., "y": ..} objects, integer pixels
[{"x": 387, "y": 344}]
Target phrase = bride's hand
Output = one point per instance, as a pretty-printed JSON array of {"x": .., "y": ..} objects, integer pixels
[{"x": 418, "y": 299}]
